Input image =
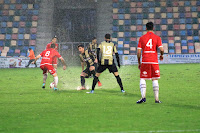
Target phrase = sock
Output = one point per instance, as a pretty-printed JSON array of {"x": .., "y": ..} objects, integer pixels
[
  {"x": 82, "y": 81},
  {"x": 95, "y": 80},
  {"x": 143, "y": 88},
  {"x": 44, "y": 77},
  {"x": 119, "y": 81},
  {"x": 155, "y": 89},
  {"x": 55, "y": 81},
  {"x": 94, "y": 73}
]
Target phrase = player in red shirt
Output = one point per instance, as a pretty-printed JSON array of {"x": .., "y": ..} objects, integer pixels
[
  {"x": 55, "y": 60},
  {"x": 46, "y": 64},
  {"x": 149, "y": 68}
]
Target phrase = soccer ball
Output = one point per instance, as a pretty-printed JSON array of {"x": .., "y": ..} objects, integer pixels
[
  {"x": 52, "y": 85},
  {"x": 78, "y": 88}
]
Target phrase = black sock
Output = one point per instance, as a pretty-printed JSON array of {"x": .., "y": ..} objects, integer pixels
[
  {"x": 95, "y": 80},
  {"x": 82, "y": 81},
  {"x": 94, "y": 73},
  {"x": 119, "y": 81}
]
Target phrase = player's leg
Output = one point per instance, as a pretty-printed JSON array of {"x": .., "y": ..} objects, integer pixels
[
  {"x": 114, "y": 70},
  {"x": 45, "y": 74},
  {"x": 92, "y": 70},
  {"x": 29, "y": 62},
  {"x": 145, "y": 74},
  {"x": 53, "y": 72},
  {"x": 83, "y": 74},
  {"x": 155, "y": 77}
]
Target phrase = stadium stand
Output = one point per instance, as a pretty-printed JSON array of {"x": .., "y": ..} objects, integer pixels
[
  {"x": 176, "y": 22},
  {"x": 18, "y": 26}
]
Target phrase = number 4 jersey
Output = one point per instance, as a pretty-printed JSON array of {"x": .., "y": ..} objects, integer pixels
[
  {"x": 149, "y": 44},
  {"x": 47, "y": 56},
  {"x": 107, "y": 49}
]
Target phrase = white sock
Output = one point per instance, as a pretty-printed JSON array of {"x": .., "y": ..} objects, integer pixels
[
  {"x": 44, "y": 77},
  {"x": 155, "y": 89},
  {"x": 55, "y": 81},
  {"x": 143, "y": 88}
]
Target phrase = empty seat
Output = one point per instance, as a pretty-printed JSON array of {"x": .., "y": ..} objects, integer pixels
[
  {"x": 20, "y": 42},
  {"x": 1, "y": 43},
  {"x": 13, "y": 43},
  {"x": 8, "y": 36},
  {"x": 20, "y": 36},
  {"x": 32, "y": 42},
  {"x": 3, "y": 31}
]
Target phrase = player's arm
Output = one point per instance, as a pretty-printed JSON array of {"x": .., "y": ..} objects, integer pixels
[
  {"x": 63, "y": 62},
  {"x": 37, "y": 57},
  {"x": 139, "y": 50},
  {"x": 161, "y": 53},
  {"x": 82, "y": 65},
  {"x": 98, "y": 58},
  {"x": 117, "y": 56}
]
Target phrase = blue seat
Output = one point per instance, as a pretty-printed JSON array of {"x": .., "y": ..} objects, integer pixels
[
  {"x": 115, "y": 28},
  {"x": 139, "y": 34},
  {"x": 188, "y": 26},
  {"x": 171, "y": 45},
  {"x": 35, "y": 12},
  {"x": 184, "y": 51},
  {"x": 169, "y": 15},
  {"x": 139, "y": 16},
  {"x": 33, "y": 36},
  {"x": 3, "y": 31},
  {"x": 115, "y": 5},
  {"x": 24, "y": 6},
  {"x": 182, "y": 15},
  {"x": 126, "y": 42},
  {"x": 191, "y": 47},
  {"x": 164, "y": 41},
  {"x": 0, "y": 12},
  {"x": 23, "y": 54},
  {"x": 196, "y": 38},
  {"x": 182, "y": 21},
  {"x": 183, "y": 42},
  {"x": 171, "y": 51},
  {"x": 145, "y": 4},
  {"x": 127, "y": 34},
  {"x": 25, "y": 48},
  {"x": 193, "y": 9},
  {"x": 164, "y": 33},
  {"x": 32, "y": 47},
  {"x": 182, "y": 32},
  {"x": 120, "y": 52},
  {"x": 164, "y": 21},
  {"x": 3, "y": 24},
  {"x": 127, "y": 22},
  {"x": 23, "y": 18},
  {"x": 189, "y": 32},
  {"x": 16, "y": 24},
  {"x": 187, "y": 3},
  {"x": 151, "y": 4},
  {"x": 120, "y": 39},
  {"x": 7, "y": 1},
  {"x": 198, "y": 3},
  {"x": 18, "y": 1},
  {"x": 188, "y": 20},
  {"x": 1, "y": 43},
  {"x": 11, "y": 51},
  {"x": 21, "y": 30},
  {"x": 20, "y": 36},
  {"x": 121, "y": 16},
  {"x": 120, "y": 46},
  {"x": 139, "y": 21},
  {"x": 190, "y": 41},
  {"x": 12, "y": 7},
  {"x": 121, "y": 10},
  {"x": 36, "y": 6},
  {"x": 20, "y": 42},
  {"x": 30, "y": 12},
  {"x": 5, "y": 18},
  {"x": 8, "y": 36}
]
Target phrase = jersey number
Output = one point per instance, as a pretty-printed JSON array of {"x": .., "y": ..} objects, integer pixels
[
  {"x": 47, "y": 53},
  {"x": 149, "y": 44},
  {"x": 108, "y": 51}
]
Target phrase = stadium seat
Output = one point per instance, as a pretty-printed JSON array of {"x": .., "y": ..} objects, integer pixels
[
  {"x": 20, "y": 36},
  {"x": 1, "y": 43},
  {"x": 3, "y": 31},
  {"x": 171, "y": 51},
  {"x": 13, "y": 43},
  {"x": 8, "y": 36},
  {"x": 14, "y": 36},
  {"x": 20, "y": 43}
]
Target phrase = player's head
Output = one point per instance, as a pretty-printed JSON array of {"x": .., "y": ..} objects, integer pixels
[
  {"x": 54, "y": 39},
  {"x": 81, "y": 48},
  {"x": 53, "y": 45},
  {"x": 149, "y": 26},
  {"x": 29, "y": 49},
  {"x": 107, "y": 37},
  {"x": 94, "y": 40}
]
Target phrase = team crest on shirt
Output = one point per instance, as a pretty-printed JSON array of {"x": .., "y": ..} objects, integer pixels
[
  {"x": 157, "y": 71},
  {"x": 145, "y": 73}
]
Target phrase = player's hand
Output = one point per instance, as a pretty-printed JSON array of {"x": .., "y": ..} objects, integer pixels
[
  {"x": 64, "y": 67},
  {"x": 33, "y": 62},
  {"x": 161, "y": 57},
  {"x": 139, "y": 66},
  {"x": 96, "y": 61}
]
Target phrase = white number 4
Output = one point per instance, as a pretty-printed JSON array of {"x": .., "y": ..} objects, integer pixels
[{"x": 149, "y": 44}]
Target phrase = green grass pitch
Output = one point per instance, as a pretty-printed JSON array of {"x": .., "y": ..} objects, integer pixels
[{"x": 26, "y": 108}]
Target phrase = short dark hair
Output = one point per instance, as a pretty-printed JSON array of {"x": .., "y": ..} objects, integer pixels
[
  {"x": 107, "y": 36},
  {"x": 94, "y": 38},
  {"x": 53, "y": 45},
  {"x": 29, "y": 49},
  {"x": 54, "y": 37},
  {"x": 80, "y": 45},
  {"x": 149, "y": 26}
]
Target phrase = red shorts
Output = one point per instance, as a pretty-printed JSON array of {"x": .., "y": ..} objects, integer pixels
[
  {"x": 149, "y": 71},
  {"x": 48, "y": 68},
  {"x": 54, "y": 61}
]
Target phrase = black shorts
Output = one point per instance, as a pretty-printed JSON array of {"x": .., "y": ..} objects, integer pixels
[
  {"x": 87, "y": 71},
  {"x": 112, "y": 68}
]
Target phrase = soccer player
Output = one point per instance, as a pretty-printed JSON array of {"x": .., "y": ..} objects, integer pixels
[
  {"x": 88, "y": 58},
  {"x": 149, "y": 68},
  {"x": 92, "y": 48},
  {"x": 106, "y": 49},
  {"x": 46, "y": 64},
  {"x": 31, "y": 56},
  {"x": 55, "y": 60}
]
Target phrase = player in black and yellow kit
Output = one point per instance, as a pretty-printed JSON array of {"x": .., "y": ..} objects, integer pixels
[
  {"x": 106, "y": 49},
  {"x": 92, "y": 48},
  {"x": 86, "y": 57}
]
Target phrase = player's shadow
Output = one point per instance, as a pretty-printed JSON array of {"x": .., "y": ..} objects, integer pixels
[
  {"x": 119, "y": 93},
  {"x": 196, "y": 107}
]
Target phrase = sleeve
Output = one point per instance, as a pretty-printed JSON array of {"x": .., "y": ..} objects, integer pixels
[
  {"x": 100, "y": 46},
  {"x": 42, "y": 54},
  {"x": 140, "y": 44},
  {"x": 115, "y": 49},
  {"x": 57, "y": 54},
  {"x": 81, "y": 59},
  {"x": 30, "y": 53},
  {"x": 159, "y": 44},
  {"x": 48, "y": 46}
]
